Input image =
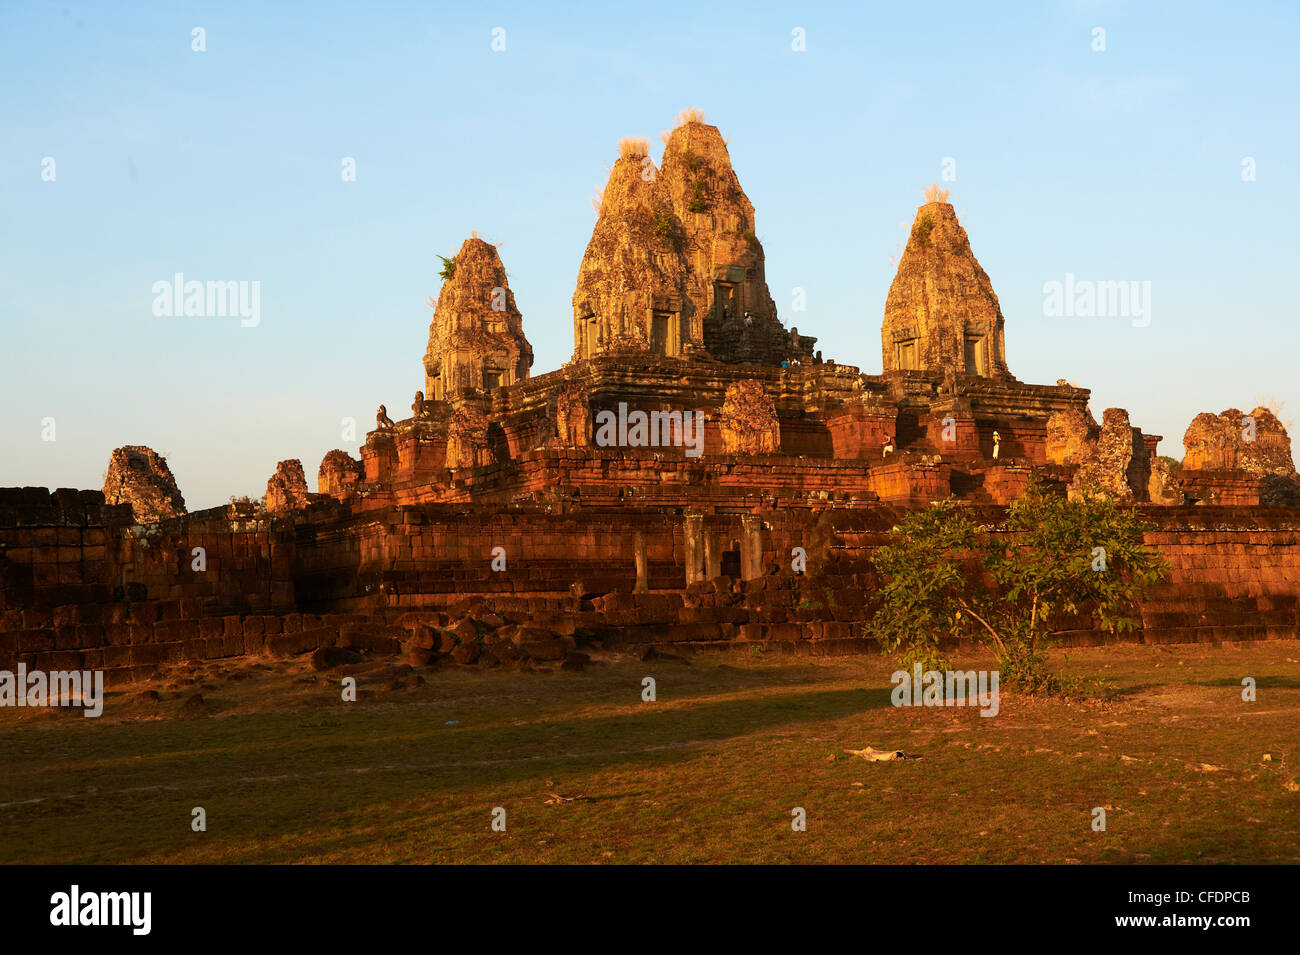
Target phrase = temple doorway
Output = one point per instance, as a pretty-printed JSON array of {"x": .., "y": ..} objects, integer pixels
[
  {"x": 727, "y": 300},
  {"x": 731, "y": 561},
  {"x": 659, "y": 333}
]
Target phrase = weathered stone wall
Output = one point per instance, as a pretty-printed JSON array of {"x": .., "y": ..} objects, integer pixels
[
  {"x": 72, "y": 550},
  {"x": 1255, "y": 443},
  {"x": 57, "y": 548},
  {"x": 625, "y": 575}
]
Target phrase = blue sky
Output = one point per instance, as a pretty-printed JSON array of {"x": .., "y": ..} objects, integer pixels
[{"x": 225, "y": 165}]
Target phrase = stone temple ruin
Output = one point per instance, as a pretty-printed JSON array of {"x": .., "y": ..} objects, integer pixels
[{"x": 513, "y": 518}]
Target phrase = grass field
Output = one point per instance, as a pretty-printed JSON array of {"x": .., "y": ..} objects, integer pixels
[{"x": 710, "y": 772}]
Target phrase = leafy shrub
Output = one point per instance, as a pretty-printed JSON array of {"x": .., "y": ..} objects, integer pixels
[
  {"x": 699, "y": 198},
  {"x": 946, "y": 576},
  {"x": 923, "y": 229}
]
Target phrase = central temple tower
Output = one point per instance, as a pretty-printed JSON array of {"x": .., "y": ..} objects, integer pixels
[{"x": 674, "y": 266}]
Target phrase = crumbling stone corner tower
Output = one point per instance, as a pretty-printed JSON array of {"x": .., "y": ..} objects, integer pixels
[{"x": 476, "y": 338}]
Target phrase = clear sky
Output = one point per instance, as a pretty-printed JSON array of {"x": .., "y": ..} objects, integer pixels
[{"x": 1117, "y": 165}]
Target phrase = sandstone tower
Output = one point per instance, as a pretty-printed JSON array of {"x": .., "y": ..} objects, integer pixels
[
  {"x": 726, "y": 278},
  {"x": 942, "y": 313},
  {"x": 632, "y": 281},
  {"x": 476, "y": 338},
  {"x": 673, "y": 266}
]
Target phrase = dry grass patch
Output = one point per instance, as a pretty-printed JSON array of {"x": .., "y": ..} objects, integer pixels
[{"x": 708, "y": 773}]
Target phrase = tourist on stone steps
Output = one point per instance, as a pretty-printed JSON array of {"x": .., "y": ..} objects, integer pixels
[{"x": 997, "y": 439}]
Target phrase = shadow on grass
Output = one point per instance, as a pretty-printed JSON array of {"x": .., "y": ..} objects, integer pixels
[
  {"x": 656, "y": 740},
  {"x": 1261, "y": 682},
  {"x": 519, "y": 753},
  {"x": 296, "y": 779}
]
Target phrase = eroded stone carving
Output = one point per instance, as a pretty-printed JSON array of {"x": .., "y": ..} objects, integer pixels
[
  {"x": 467, "y": 438},
  {"x": 572, "y": 427},
  {"x": 1162, "y": 486}
]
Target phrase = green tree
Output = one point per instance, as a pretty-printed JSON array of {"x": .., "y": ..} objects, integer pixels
[{"x": 946, "y": 576}]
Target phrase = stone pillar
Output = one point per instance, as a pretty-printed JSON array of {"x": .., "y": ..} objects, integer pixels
[
  {"x": 642, "y": 564},
  {"x": 751, "y": 546},
  {"x": 695, "y": 547}
]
